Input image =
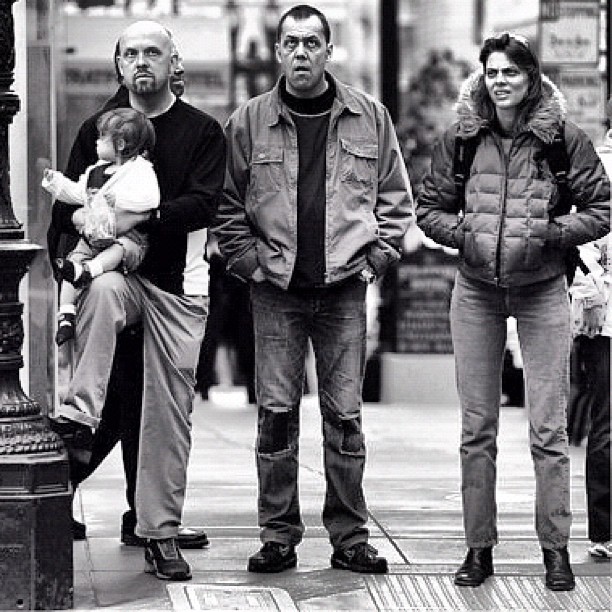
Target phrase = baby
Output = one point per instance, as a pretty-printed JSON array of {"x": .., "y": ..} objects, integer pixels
[{"x": 124, "y": 179}]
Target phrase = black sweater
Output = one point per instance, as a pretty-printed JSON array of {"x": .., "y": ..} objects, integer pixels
[{"x": 189, "y": 159}]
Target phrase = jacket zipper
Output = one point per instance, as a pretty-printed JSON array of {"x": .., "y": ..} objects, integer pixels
[{"x": 502, "y": 219}]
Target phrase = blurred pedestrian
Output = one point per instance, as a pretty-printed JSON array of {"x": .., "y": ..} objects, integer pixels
[
  {"x": 512, "y": 263},
  {"x": 317, "y": 200},
  {"x": 168, "y": 294},
  {"x": 592, "y": 326},
  {"x": 230, "y": 325}
]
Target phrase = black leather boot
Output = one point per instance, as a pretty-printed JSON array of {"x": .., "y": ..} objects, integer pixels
[
  {"x": 476, "y": 568},
  {"x": 559, "y": 575}
]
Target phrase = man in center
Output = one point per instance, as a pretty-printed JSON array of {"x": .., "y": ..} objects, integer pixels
[{"x": 317, "y": 200}]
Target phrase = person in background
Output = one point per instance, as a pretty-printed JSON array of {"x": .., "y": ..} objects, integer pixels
[
  {"x": 592, "y": 327},
  {"x": 317, "y": 200},
  {"x": 169, "y": 293},
  {"x": 512, "y": 263}
]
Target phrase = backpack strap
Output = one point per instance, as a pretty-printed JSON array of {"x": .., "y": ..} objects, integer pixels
[
  {"x": 465, "y": 150},
  {"x": 559, "y": 163}
]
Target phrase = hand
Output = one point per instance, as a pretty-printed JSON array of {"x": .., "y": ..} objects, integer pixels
[
  {"x": 126, "y": 220},
  {"x": 78, "y": 220},
  {"x": 592, "y": 319},
  {"x": 367, "y": 275},
  {"x": 110, "y": 199},
  {"x": 258, "y": 276},
  {"x": 48, "y": 175}
]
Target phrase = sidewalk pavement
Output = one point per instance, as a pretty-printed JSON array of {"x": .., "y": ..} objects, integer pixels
[{"x": 413, "y": 493}]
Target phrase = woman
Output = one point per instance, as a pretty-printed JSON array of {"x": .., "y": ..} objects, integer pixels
[{"x": 512, "y": 264}]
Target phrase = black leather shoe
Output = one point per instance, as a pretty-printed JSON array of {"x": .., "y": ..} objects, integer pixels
[
  {"x": 272, "y": 557},
  {"x": 476, "y": 568},
  {"x": 163, "y": 558},
  {"x": 361, "y": 558},
  {"x": 559, "y": 575}
]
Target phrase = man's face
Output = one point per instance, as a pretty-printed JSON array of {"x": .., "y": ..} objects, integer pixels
[
  {"x": 303, "y": 53},
  {"x": 146, "y": 59}
]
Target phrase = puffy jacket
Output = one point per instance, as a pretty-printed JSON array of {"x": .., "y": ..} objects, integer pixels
[
  {"x": 369, "y": 199},
  {"x": 506, "y": 235}
]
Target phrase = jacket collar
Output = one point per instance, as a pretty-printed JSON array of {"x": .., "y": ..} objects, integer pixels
[
  {"x": 544, "y": 122},
  {"x": 345, "y": 100}
]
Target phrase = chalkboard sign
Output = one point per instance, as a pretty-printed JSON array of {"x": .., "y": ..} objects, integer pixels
[{"x": 424, "y": 284}]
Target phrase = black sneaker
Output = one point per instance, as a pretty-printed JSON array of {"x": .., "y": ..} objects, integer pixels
[
  {"x": 66, "y": 324},
  {"x": 68, "y": 272},
  {"x": 163, "y": 558},
  {"x": 273, "y": 557},
  {"x": 361, "y": 558}
]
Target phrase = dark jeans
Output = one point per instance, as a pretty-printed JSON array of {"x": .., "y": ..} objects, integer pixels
[
  {"x": 335, "y": 320},
  {"x": 594, "y": 357}
]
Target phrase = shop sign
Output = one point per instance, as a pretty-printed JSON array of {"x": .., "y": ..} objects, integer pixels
[{"x": 572, "y": 38}]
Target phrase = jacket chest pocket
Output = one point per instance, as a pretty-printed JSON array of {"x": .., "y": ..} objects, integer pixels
[
  {"x": 266, "y": 171},
  {"x": 359, "y": 163}
]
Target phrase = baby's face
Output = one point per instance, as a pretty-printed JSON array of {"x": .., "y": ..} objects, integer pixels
[{"x": 105, "y": 148}]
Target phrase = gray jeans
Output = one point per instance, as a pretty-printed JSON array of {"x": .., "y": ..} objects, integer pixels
[
  {"x": 478, "y": 325},
  {"x": 173, "y": 328},
  {"x": 335, "y": 320}
]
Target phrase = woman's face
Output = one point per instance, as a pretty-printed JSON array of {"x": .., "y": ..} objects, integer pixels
[{"x": 506, "y": 83}]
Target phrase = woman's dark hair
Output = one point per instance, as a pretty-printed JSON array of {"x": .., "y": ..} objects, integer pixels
[
  {"x": 300, "y": 13},
  {"x": 132, "y": 127},
  {"x": 517, "y": 49}
]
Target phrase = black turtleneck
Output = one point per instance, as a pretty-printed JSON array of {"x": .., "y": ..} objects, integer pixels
[{"x": 311, "y": 118}]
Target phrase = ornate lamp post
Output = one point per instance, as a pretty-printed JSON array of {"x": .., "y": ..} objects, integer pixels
[{"x": 35, "y": 497}]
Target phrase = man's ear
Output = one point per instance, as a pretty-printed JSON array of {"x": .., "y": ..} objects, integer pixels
[
  {"x": 277, "y": 52},
  {"x": 330, "y": 50},
  {"x": 120, "y": 145}
]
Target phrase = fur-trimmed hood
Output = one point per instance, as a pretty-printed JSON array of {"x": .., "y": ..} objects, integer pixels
[{"x": 543, "y": 122}]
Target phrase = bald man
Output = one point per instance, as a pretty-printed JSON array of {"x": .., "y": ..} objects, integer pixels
[{"x": 168, "y": 295}]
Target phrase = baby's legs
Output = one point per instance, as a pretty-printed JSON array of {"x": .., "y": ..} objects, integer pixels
[{"x": 78, "y": 271}]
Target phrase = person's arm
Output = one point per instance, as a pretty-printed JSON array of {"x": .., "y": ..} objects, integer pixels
[
  {"x": 196, "y": 207},
  {"x": 82, "y": 155},
  {"x": 62, "y": 188},
  {"x": 233, "y": 229},
  {"x": 437, "y": 202},
  {"x": 590, "y": 187},
  {"x": 394, "y": 204}
]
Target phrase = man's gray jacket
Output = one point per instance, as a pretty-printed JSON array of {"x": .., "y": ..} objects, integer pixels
[{"x": 368, "y": 196}]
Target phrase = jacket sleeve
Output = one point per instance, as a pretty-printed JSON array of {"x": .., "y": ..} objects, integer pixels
[
  {"x": 437, "y": 202},
  {"x": 590, "y": 187},
  {"x": 62, "y": 235},
  {"x": 394, "y": 205},
  {"x": 233, "y": 229},
  {"x": 197, "y": 205},
  {"x": 61, "y": 187}
]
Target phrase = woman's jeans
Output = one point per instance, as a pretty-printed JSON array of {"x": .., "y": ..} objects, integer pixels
[
  {"x": 478, "y": 326},
  {"x": 335, "y": 320}
]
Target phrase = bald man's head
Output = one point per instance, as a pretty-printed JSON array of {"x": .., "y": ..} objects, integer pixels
[{"x": 146, "y": 57}]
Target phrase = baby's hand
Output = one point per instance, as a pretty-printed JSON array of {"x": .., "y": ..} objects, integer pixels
[
  {"x": 110, "y": 199},
  {"x": 48, "y": 176}
]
